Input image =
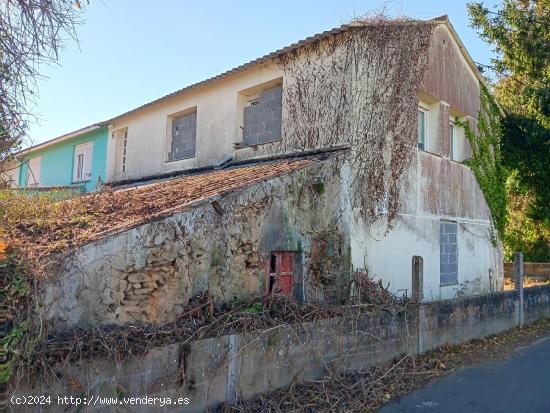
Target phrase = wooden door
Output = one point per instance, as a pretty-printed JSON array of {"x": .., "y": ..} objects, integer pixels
[
  {"x": 285, "y": 272},
  {"x": 280, "y": 271}
]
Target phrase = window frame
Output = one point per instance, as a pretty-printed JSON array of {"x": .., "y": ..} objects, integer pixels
[
  {"x": 169, "y": 133},
  {"x": 453, "y": 143},
  {"x": 79, "y": 167},
  {"x": 424, "y": 110},
  {"x": 251, "y": 97},
  {"x": 83, "y": 149},
  {"x": 120, "y": 137},
  {"x": 124, "y": 151}
]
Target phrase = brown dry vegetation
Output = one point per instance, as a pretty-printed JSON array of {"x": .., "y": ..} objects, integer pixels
[
  {"x": 202, "y": 318},
  {"x": 38, "y": 225},
  {"x": 527, "y": 282},
  {"x": 368, "y": 390}
]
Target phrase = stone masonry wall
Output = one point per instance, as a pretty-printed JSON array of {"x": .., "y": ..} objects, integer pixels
[{"x": 220, "y": 246}]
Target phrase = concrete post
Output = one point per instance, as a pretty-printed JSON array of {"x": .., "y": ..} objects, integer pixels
[
  {"x": 518, "y": 281},
  {"x": 417, "y": 278},
  {"x": 232, "y": 385},
  {"x": 417, "y": 296}
]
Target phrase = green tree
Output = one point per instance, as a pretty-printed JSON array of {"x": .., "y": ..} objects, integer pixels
[{"x": 519, "y": 30}]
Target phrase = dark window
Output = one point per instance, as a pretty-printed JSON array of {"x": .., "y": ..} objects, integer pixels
[
  {"x": 262, "y": 117},
  {"x": 273, "y": 264},
  {"x": 184, "y": 136},
  {"x": 448, "y": 252}
]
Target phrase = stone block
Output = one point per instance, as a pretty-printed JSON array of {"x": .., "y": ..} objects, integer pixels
[
  {"x": 150, "y": 284},
  {"x": 137, "y": 277},
  {"x": 142, "y": 291}
]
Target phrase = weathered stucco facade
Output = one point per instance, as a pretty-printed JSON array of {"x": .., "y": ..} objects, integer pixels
[
  {"x": 436, "y": 190},
  {"x": 372, "y": 206}
]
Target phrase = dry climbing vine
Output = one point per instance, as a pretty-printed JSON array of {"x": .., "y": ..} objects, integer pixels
[{"x": 359, "y": 87}]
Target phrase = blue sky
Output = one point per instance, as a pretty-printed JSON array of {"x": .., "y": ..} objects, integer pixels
[{"x": 133, "y": 51}]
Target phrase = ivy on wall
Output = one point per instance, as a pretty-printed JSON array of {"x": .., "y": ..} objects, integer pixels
[
  {"x": 359, "y": 88},
  {"x": 486, "y": 160}
]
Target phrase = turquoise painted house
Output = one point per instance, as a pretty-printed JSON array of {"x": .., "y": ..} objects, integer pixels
[{"x": 77, "y": 159}]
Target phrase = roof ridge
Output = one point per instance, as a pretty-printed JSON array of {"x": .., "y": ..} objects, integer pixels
[{"x": 284, "y": 50}]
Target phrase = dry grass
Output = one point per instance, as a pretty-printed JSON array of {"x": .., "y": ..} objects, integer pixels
[
  {"x": 202, "y": 318},
  {"x": 39, "y": 225},
  {"x": 527, "y": 282}
]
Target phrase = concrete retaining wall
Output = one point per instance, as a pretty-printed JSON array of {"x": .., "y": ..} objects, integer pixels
[
  {"x": 460, "y": 320},
  {"x": 214, "y": 370}
]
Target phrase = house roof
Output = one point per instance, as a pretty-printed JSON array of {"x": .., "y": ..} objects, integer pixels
[
  {"x": 87, "y": 218},
  {"x": 62, "y": 138},
  {"x": 441, "y": 20}
]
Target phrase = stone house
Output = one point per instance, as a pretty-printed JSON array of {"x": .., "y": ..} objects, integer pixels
[{"x": 358, "y": 136}]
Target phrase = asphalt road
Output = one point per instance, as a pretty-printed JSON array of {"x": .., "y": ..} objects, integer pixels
[{"x": 518, "y": 384}]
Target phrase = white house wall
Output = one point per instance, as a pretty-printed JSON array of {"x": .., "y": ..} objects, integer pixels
[
  {"x": 217, "y": 126},
  {"x": 435, "y": 189},
  {"x": 10, "y": 173}
]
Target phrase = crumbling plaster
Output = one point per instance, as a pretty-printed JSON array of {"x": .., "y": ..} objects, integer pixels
[
  {"x": 433, "y": 189},
  {"x": 150, "y": 273}
]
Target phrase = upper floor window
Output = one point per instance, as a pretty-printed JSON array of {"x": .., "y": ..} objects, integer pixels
[
  {"x": 183, "y": 136},
  {"x": 82, "y": 167},
  {"x": 33, "y": 171},
  {"x": 453, "y": 142},
  {"x": 262, "y": 116},
  {"x": 422, "y": 128}
]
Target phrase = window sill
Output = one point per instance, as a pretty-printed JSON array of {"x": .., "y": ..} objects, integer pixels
[
  {"x": 449, "y": 284},
  {"x": 430, "y": 152},
  {"x": 81, "y": 182},
  {"x": 242, "y": 145},
  {"x": 438, "y": 155},
  {"x": 180, "y": 159}
]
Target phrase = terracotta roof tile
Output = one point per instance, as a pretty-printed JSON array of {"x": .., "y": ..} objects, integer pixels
[
  {"x": 164, "y": 198},
  {"x": 80, "y": 220}
]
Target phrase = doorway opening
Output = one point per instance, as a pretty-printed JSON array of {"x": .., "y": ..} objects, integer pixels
[{"x": 280, "y": 273}]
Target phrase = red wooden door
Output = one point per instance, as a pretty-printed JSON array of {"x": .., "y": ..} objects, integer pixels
[{"x": 285, "y": 272}]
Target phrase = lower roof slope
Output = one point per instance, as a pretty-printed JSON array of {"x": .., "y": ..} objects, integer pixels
[{"x": 77, "y": 221}]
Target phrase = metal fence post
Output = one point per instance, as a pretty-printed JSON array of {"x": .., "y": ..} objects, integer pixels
[{"x": 518, "y": 281}]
